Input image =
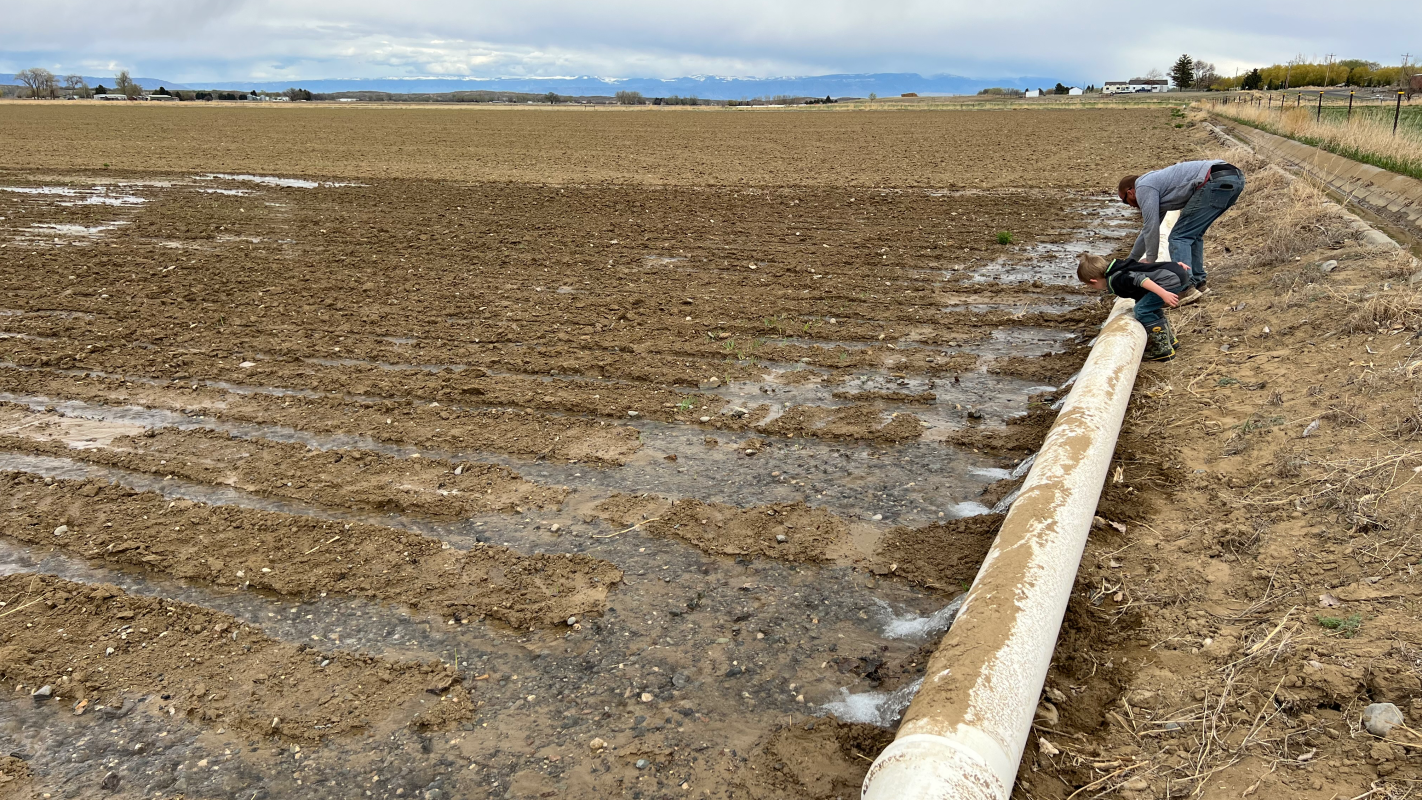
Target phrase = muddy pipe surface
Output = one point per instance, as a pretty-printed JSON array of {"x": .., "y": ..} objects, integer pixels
[{"x": 963, "y": 735}]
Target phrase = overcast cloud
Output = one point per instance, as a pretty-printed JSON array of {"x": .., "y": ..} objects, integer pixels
[{"x": 191, "y": 41}]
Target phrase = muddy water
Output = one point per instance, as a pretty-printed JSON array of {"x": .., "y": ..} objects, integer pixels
[
  {"x": 693, "y": 651},
  {"x": 912, "y": 484}
]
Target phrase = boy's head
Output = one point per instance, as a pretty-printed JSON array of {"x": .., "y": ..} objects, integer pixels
[{"x": 1091, "y": 270}]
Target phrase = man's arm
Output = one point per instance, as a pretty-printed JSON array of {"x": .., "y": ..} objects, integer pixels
[
  {"x": 1171, "y": 298},
  {"x": 1148, "y": 242}
]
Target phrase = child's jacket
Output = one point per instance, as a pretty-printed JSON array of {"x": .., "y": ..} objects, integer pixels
[{"x": 1125, "y": 276}]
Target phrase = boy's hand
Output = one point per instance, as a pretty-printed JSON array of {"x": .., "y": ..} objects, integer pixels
[{"x": 1171, "y": 298}]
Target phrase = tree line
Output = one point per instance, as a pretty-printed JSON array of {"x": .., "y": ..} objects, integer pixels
[{"x": 1297, "y": 72}]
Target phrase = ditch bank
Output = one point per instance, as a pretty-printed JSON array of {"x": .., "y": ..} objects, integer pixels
[{"x": 1396, "y": 198}]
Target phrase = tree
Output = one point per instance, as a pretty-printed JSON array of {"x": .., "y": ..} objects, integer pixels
[
  {"x": 552, "y": 97},
  {"x": 1060, "y": 88},
  {"x": 627, "y": 98},
  {"x": 294, "y": 94},
  {"x": 76, "y": 85},
  {"x": 101, "y": 89},
  {"x": 1252, "y": 81},
  {"x": 873, "y": 96},
  {"x": 1183, "y": 73},
  {"x": 1154, "y": 74},
  {"x": 1205, "y": 76},
  {"x": 125, "y": 86},
  {"x": 39, "y": 80},
  {"x": 163, "y": 90}
]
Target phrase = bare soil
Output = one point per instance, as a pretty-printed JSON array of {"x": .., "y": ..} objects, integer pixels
[{"x": 650, "y": 426}]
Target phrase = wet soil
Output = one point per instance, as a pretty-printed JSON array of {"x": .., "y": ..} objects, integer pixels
[
  {"x": 103, "y": 644},
  {"x": 668, "y": 465}
]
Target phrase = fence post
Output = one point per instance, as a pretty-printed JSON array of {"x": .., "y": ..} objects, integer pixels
[
  {"x": 1350, "y": 106},
  {"x": 1397, "y": 114},
  {"x": 1318, "y": 117}
]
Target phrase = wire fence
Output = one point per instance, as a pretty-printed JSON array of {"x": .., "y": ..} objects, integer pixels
[{"x": 1396, "y": 107}]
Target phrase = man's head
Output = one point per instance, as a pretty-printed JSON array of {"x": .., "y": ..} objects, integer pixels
[
  {"x": 1126, "y": 190},
  {"x": 1091, "y": 270}
]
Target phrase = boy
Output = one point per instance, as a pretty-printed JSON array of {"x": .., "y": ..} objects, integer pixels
[{"x": 1152, "y": 286}]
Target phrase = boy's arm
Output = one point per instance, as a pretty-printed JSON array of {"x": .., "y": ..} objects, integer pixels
[
  {"x": 1148, "y": 242},
  {"x": 1171, "y": 298}
]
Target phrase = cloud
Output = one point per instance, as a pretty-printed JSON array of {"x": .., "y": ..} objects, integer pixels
[{"x": 196, "y": 40}]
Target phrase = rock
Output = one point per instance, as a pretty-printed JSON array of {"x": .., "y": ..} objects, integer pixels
[
  {"x": 734, "y": 671},
  {"x": 705, "y": 419},
  {"x": 572, "y": 620},
  {"x": 710, "y": 383},
  {"x": 681, "y": 680},
  {"x": 111, "y": 782},
  {"x": 633, "y": 414},
  {"x": 61, "y": 530},
  {"x": 1047, "y": 713},
  {"x": 781, "y": 538},
  {"x": 1328, "y": 266},
  {"x": 597, "y": 744},
  {"x": 738, "y": 412},
  {"x": 43, "y": 693},
  {"x": 1380, "y": 718},
  {"x": 647, "y": 697},
  {"x": 643, "y": 763},
  {"x": 877, "y": 517},
  {"x": 434, "y": 794}
]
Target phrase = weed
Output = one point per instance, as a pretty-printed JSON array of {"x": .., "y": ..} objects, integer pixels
[
  {"x": 1004, "y": 237},
  {"x": 1348, "y": 626},
  {"x": 1227, "y": 381},
  {"x": 685, "y": 405}
]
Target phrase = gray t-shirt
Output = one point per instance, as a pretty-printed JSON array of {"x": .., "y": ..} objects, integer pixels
[{"x": 1165, "y": 190}]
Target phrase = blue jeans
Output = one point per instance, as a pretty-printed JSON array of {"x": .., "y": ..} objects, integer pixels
[
  {"x": 1187, "y": 238},
  {"x": 1149, "y": 310}
]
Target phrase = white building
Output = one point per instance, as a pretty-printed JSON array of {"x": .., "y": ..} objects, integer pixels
[
  {"x": 1136, "y": 85},
  {"x": 1032, "y": 93},
  {"x": 1075, "y": 90}
]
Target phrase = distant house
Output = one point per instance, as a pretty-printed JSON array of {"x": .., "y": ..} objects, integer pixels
[
  {"x": 110, "y": 97},
  {"x": 909, "y": 94},
  {"x": 162, "y": 97},
  {"x": 1032, "y": 93},
  {"x": 1136, "y": 85},
  {"x": 1074, "y": 90}
]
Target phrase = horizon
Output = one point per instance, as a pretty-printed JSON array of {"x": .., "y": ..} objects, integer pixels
[{"x": 256, "y": 41}]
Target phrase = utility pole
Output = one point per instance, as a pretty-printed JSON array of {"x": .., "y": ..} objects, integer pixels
[{"x": 1327, "y": 69}]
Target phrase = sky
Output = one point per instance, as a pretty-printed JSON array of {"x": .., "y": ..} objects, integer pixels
[{"x": 1089, "y": 41}]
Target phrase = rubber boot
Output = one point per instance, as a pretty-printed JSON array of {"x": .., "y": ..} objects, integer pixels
[{"x": 1158, "y": 343}]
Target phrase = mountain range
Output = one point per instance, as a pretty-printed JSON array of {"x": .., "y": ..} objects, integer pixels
[{"x": 703, "y": 86}]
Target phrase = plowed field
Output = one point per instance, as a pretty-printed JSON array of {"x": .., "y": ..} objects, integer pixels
[{"x": 451, "y": 453}]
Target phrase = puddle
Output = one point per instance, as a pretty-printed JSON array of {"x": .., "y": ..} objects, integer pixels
[
  {"x": 98, "y": 195},
  {"x": 233, "y": 192},
  {"x": 945, "y": 405},
  {"x": 269, "y": 180}
]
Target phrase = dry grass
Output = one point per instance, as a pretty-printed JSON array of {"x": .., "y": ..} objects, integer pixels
[{"x": 1365, "y": 139}]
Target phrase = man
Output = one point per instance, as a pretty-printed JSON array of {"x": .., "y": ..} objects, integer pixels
[{"x": 1201, "y": 191}]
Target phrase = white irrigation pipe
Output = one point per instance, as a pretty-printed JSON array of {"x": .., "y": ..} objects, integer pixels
[{"x": 962, "y": 737}]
